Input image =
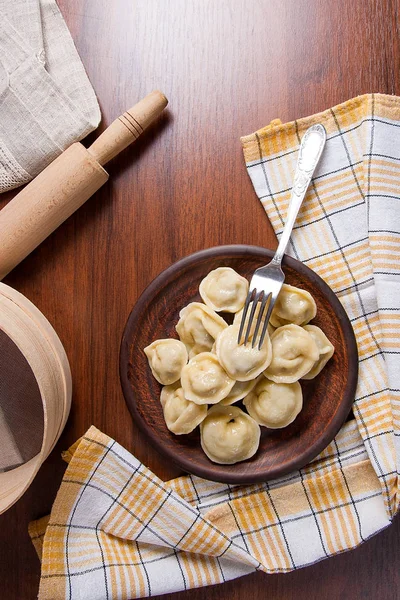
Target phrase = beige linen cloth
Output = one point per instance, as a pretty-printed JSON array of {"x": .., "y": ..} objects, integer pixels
[
  {"x": 46, "y": 100},
  {"x": 116, "y": 531}
]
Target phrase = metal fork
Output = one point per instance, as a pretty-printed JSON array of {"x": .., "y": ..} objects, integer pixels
[{"x": 267, "y": 281}]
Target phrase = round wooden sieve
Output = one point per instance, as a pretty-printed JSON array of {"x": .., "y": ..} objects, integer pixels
[{"x": 35, "y": 392}]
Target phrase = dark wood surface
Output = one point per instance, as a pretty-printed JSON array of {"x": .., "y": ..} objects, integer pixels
[
  {"x": 327, "y": 399},
  {"x": 228, "y": 67}
]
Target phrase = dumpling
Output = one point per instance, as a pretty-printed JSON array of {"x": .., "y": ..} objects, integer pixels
[
  {"x": 325, "y": 348},
  {"x": 239, "y": 391},
  {"x": 293, "y": 305},
  {"x": 242, "y": 362},
  {"x": 238, "y": 319},
  {"x": 181, "y": 416},
  {"x": 166, "y": 359},
  {"x": 229, "y": 435},
  {"x": 198, "y": 327},
  {"x": 224, "y": 290},
  {"x": 274, "y": 405},
  {"x": 294, "y": 353},
  {"x": 204, "y": 381}
]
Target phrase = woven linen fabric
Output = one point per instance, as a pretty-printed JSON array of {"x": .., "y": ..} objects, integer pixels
[
  {"x": 46, "y": 100},
  {"x": 118, "y": 531}
]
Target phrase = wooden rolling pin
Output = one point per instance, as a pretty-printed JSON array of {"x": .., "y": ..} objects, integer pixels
[{"x": 67, "y": 183}]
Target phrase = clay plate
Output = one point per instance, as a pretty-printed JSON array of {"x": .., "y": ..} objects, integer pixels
[{"x": 327, "y": 399}]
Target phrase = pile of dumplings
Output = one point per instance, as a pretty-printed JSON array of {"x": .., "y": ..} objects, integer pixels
[{"x": 206, "y": 371}]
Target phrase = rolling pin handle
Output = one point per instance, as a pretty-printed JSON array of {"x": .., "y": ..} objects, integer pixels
[{"x": 127, "y": 128}]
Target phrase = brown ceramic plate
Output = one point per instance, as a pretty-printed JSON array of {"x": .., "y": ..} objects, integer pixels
[{"x": 327, "y": 398}]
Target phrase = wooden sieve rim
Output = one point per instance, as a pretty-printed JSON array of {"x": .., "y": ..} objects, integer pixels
[
  {"x": 52, "y": 338},
  {"x": 41, "y": 347}
]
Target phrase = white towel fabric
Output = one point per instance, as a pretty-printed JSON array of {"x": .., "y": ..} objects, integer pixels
[
  {"x": 46, "y": 99},
  {"x": 348, "y": 231}
]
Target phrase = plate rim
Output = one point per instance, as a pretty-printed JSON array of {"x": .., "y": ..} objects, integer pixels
[{"x": 323, "y": 440}]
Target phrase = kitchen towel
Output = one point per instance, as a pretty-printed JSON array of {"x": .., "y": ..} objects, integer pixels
[
  {"x": 117, "y": 531},
  {"x": 46, "y": 100}
]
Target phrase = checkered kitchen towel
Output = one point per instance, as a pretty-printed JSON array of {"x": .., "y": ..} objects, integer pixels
[{"x": 117, "y": 531}]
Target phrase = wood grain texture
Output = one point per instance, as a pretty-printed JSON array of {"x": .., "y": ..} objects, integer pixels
[
  {"x": 227, "y": 68},
  {"x": 327, "y": 399}
]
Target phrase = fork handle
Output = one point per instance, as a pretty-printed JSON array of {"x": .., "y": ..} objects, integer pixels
[{"x": 310, "y": 152}]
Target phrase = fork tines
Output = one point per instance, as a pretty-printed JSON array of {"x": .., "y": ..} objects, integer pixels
[{"x": 258, "y": 299}]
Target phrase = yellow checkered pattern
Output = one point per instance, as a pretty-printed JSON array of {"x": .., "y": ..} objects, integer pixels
[{"x": 116, "y": 531}]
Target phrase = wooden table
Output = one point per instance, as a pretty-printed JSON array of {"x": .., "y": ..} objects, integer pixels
[{"x": 228, "y": 67}]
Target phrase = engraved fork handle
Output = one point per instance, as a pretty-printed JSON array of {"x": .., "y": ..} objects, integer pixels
[{"x": 310, "y": 151}]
